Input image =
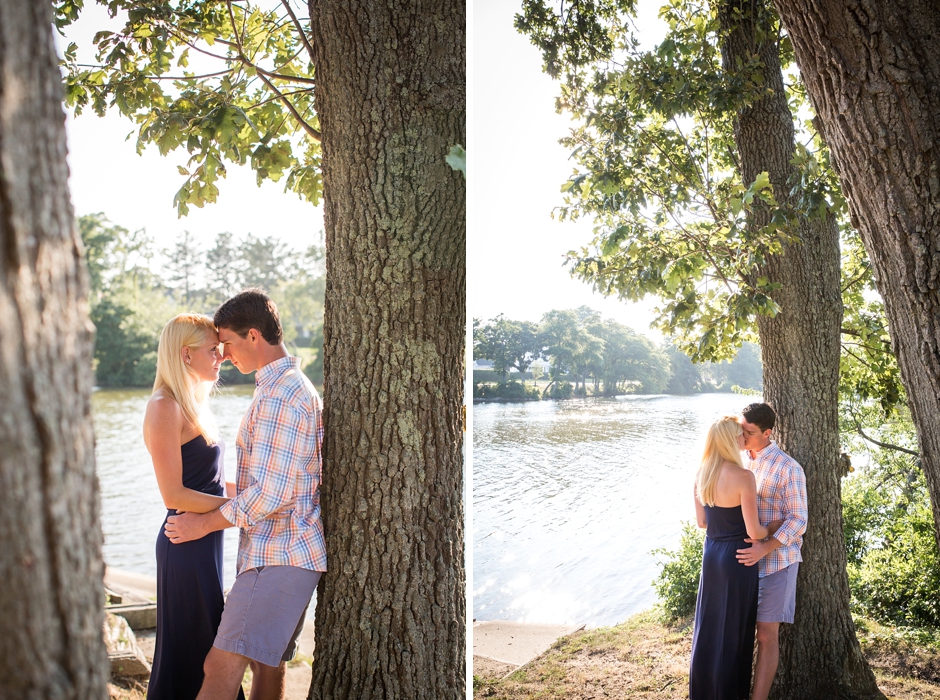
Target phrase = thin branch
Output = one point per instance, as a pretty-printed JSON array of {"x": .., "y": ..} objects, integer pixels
[
  {"x": 851, "y": 283},
  {"x": 196, "y": 48},
  {"x": 217, "y": 40},
  {"x": 885, "y": 445},
  {"x": 281, "y": 76},
  {"x": 162, "y": 77},
  {"x": 313, "y": 133},
  {"x": 300, "y": 29},
  {"x": 272, "y": 99}
]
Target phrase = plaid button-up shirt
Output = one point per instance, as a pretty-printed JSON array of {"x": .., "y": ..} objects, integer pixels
[
  {"x": 278, "y": 475},
  {"x": 781, "y": 494}
]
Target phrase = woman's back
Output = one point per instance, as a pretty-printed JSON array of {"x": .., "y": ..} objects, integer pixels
[{"x": 729, "y": 485}]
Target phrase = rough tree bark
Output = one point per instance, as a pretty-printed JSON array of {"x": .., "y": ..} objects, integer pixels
[
  {"x": 390, "y": 619},
  {"x": 51, "y": 600},
  {"x": 820, "y": 654},
  {"x": 872, "y": 70}
]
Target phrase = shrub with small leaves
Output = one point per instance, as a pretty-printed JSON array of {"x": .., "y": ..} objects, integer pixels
[{"x": 677, "y": 582}]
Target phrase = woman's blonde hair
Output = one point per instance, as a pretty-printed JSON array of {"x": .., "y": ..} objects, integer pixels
[
  {"x": 721, "y": 445},
  {"x": 178, "y": 380}
]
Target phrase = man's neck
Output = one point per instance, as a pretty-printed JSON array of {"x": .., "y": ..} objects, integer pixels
[
  {"x": 272, "y": 353},
  {"x": 753, "y": 453}
]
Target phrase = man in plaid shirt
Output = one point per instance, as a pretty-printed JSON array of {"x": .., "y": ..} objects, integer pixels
[
  {"x": 781, "y": 496},
  {"x": 281, "y": 550}
]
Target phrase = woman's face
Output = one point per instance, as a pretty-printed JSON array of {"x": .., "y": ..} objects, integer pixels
[
  {"x": 740, "y": 441},
  {"x": 206, "y": 359}
]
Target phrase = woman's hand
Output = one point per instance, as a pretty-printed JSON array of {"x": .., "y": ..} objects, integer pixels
[{"x": 773, "y": 526}]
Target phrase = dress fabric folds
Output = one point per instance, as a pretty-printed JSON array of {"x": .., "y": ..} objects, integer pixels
[{"x": 725, "y": 613}]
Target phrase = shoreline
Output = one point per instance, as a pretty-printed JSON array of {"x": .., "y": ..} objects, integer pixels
[{"x": 643, "y": 658}]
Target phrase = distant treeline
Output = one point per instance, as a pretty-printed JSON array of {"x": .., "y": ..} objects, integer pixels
[
  {"x": 131, "y": 301},
  {"x": 588, "y": 354}
]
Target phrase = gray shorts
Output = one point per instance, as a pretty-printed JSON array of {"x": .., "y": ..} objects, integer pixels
[
  {"x": 776, "y": 600},
  {"x": 264, "y": 613}
]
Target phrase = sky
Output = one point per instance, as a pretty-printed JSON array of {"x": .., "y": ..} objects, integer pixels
[
  {"x": 516, "y": 167},
  {"x": 136, "y": 191}
]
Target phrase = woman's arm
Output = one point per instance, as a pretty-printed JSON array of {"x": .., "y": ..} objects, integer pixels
[
  {"x": 755, "y": 530},
  {"x": 699, "y": 510},
  {"x": 231, "y": 490},
  {"x": 163, "y": 426}
]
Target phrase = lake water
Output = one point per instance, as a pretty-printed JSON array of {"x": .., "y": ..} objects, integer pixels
[
  {"x": 569, "y": 497},
  {"x": 131, "y": 508}
]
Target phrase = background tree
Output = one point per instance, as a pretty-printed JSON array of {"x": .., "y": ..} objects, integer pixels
[
  {"x": 689, "y": 165},
  {"x": 184, "y": 265},
  {"x": 129, "y": 303},
  {"x": 628, "y": 357},
  {"x": 508, "y": 344},
  {"x": 263, "y": 262},
  {"x": 569, "y": 345},
  {"x": 51, "y": 615},
  {"x": 872, "y": 84},
  {"x": 684, "y": 376},
  {"x": 300, "y": 303},
  {"x": 223, "y": 276}
]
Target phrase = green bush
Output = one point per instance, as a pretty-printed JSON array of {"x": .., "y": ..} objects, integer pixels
[
  {"x": 897, "y": 577},
  {"x": 677, "y": 582},
  {"x": 563, "y": 390},
  {"x": 513, "y": 391}
]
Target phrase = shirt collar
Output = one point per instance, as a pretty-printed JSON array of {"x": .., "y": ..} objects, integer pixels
[
  {"x": 271, "y": 371},
  {"x": 764, "y": 452}
]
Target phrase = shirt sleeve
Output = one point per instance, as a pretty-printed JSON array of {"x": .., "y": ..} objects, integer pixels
[
  {"x": 277, "y": 452},
  {"x": 794, "y": 499}
]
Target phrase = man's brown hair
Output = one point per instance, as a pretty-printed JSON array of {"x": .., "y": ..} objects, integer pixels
[
  {"x": 761, "y": 415},
  {"x": 251, "y": 308}
]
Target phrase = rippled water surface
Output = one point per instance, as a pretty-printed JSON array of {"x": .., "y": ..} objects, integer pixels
[
  {"x": 569, "y": 497},
  {"x": 131, "y": 508}
]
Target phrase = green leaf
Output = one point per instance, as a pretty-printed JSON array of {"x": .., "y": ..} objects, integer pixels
[{"x": 457, "y": 159}]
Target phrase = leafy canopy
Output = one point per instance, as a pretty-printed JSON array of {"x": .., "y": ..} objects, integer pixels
[
  {"x": 657, "y": 171},
  {"x": 228, "y": 82}
]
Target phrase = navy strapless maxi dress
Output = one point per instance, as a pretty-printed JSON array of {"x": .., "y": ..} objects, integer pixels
[
  {"x": 725, "y": 613},
  {"x": 189, "y": 589}
]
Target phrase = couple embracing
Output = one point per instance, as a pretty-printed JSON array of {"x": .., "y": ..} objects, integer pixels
[
  {"x": 204, "y": 645},
  {"x": 755, "y": 514}
]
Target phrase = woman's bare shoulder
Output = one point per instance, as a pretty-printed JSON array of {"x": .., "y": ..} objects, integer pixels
[
  {"x": 738, "y": 473},
  {"x": 162, "y": 412}
]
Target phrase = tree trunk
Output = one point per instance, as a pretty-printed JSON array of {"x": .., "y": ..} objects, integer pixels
[
  {"x": 872, "y": 71},
  {"x": 51, "y": 600},
  {"x": 820, "y": 654},
  {"x": 390, "y": 619}
]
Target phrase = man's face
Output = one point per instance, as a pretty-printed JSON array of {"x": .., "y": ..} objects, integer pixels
[
  {"x": 755, "y": 439},
  {"x": 239, "y": 351}
]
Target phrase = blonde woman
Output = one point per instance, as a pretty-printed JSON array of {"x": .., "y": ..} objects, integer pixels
[
  {"x": 183, "y": 441},
  {"x": 726, "y": 611}
]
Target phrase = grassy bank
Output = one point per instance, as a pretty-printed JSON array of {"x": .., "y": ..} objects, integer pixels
[{"x": 645, "y": 659}]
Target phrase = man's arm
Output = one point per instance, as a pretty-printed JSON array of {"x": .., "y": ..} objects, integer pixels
[
  {"x": 186, "y": 527},
  {"x": 794, "y": 524}
]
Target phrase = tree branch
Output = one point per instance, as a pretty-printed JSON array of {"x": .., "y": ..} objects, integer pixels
[
  {"x": 281, "y": 76},
  {"x": 885, "y": 445},
  {"x": 300, "y": 29},
  {"x": 313, "y": 133}
]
